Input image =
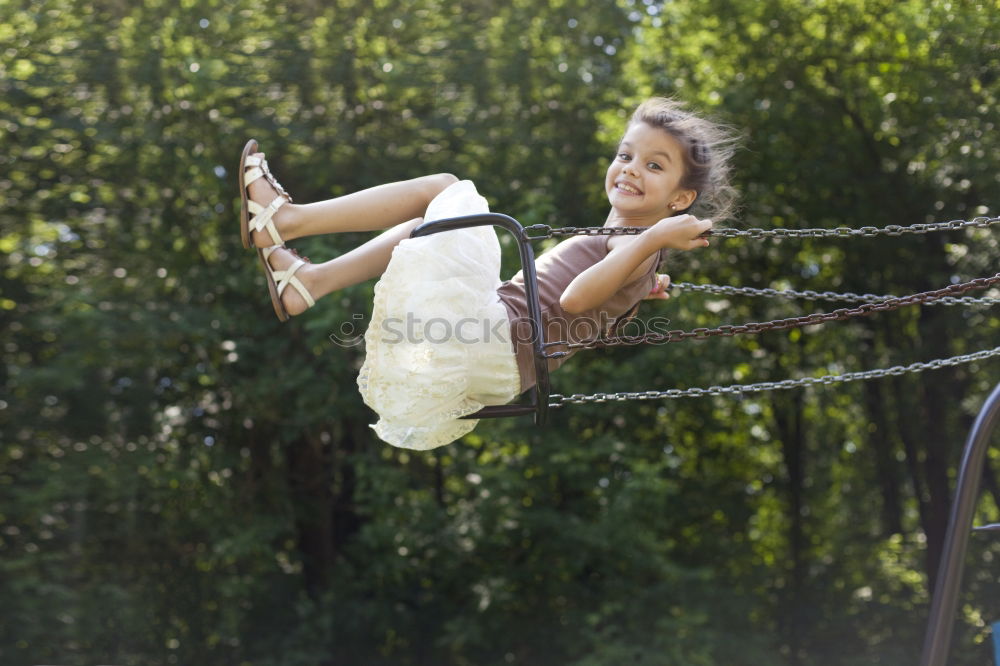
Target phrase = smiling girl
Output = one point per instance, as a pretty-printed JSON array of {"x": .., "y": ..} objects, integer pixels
[{"x": 460, "y": 348}]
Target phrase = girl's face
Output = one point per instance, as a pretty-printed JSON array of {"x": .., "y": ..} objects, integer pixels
[{"x": 644, "y": 178}]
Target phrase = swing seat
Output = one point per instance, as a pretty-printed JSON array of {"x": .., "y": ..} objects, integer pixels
[{"x": 538, "y": 396}]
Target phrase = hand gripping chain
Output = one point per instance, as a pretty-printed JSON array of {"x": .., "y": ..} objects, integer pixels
[{"x": 557, "y": 400}]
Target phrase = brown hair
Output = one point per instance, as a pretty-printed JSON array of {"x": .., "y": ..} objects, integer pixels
[{"x": 708, "y": 149}]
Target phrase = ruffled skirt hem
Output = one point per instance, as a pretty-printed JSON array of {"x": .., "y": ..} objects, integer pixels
[{"x": 438, "y": 346}]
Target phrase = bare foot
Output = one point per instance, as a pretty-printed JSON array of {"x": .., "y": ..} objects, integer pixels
[{"x": 263, "y": 192}]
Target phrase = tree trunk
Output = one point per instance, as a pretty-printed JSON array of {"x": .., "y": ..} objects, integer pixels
[
  {"x": 309, "y": 476},
  {"x": 907, "y": 427},
  {"x": 788, "y": 419},
  {"x": 882, "y": 443}
]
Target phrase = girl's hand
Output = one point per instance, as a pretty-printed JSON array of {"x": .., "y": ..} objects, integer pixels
[
  {"x": 682, "y": 232},
  {"x": 659, "y": 292}
]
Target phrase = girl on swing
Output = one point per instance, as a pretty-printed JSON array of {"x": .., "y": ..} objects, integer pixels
[{"x": 420, "y": 382}]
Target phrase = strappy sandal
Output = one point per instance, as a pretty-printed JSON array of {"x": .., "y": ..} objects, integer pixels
[
  {"x": 278, "y": 281},
  {"x": 252, "y": 168}
]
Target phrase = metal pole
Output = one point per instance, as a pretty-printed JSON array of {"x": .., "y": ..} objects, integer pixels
[{"x": 949, "y": 579}]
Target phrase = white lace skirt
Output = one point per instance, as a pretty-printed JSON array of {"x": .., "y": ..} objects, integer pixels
[{"x": 438, "y": 346}]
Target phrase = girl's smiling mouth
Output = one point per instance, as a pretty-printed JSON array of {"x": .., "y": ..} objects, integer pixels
[{"x": 627, "y": 188}]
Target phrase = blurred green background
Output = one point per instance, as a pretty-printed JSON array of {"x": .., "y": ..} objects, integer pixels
[{"x": 185, "y": 481}]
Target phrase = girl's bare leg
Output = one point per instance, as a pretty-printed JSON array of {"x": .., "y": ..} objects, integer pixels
[
  {"x": 364, "y": 262},
  {"x": 376, "y": 208}
]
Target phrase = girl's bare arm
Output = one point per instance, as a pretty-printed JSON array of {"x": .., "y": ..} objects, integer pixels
[{"x": 628, "y": 261}]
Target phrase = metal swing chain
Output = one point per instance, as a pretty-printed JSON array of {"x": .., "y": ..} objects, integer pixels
[
  {"x": 808, "y": 294},
  {"x": 890, "y": 230},
  {"x": 557, "y": 400},
  {"x": 872, "y": 303},
  {"x": 730, "y": 330},
  {"x": 545, "y": 231}
]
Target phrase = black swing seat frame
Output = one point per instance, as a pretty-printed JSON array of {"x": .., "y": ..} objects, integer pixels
[{"x": 538, "y": 395}]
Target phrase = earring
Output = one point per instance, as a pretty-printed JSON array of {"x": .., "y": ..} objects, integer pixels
[{"x": 673, "y": 207}]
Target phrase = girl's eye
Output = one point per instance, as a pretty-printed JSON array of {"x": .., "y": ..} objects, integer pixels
[
  {"x": 624, "y": 156},
  {"x": 654, "y": 166}
]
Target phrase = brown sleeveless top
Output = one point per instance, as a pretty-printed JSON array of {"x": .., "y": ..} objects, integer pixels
[{"x": 555, "y": 269}]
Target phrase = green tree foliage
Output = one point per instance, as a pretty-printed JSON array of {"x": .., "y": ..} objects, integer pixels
[{"x": 183, "y": 480}]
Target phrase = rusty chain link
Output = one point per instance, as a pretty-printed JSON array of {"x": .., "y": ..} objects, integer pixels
[
  {"x": 545, "y": 231},
  {"x": 730, "y": 330},
  {"x": 808, "y": 294},
  {"x": 557, "y": 400}
]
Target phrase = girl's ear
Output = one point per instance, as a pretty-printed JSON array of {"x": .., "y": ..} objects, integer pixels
[{"x": 684, "y": 199}]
